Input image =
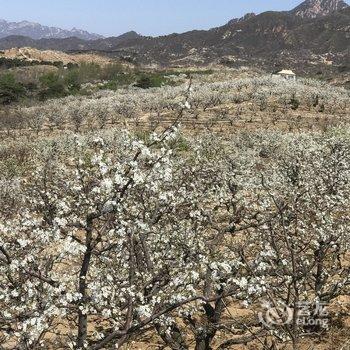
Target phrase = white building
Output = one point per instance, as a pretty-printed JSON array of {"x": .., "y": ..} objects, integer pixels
[{"x": 287, "y": 74}]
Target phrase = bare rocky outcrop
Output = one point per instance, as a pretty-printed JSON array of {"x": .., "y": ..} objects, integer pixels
[
  {"x": 318, "y": 8},
  {"x": 32, "y": 54}
]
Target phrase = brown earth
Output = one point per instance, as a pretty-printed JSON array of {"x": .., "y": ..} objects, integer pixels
[{"x": 31, "y": 54}]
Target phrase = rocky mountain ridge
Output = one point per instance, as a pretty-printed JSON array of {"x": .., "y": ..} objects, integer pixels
[
  {"x": 270, "y": 38},
  {"x": 37, "y": 31},
  {"x": 318, "y": 8}
]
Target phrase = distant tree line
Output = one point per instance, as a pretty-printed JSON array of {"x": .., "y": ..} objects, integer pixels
[
  {"x": 73, "y": 79},
  {"x": 7, "y": 63}
]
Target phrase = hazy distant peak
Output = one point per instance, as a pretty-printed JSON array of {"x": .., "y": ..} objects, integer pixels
[{"x": 37, "y": 31}]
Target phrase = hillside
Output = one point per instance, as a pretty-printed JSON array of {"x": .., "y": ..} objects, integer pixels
[
  {"x": 318, "y": 8},
  {"x": 30, "y": 54},
  {"x": 312, "y": 33}
]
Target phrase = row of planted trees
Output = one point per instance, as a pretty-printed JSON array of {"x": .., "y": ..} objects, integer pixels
[
  {"x": 264, "y": 97},
  {"x": 106, "y": 238}
]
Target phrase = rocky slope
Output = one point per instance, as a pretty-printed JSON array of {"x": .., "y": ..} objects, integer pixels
[{"x": 318, "y": 8}]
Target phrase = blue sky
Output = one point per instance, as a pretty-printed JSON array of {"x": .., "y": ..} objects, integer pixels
[{"x": 148, "y": 17}]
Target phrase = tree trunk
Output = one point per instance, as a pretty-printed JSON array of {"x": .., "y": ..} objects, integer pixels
[{"x": 82, "y": 316}]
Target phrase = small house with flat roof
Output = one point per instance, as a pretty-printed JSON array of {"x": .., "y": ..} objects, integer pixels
[{"x": 287, "y": 74}]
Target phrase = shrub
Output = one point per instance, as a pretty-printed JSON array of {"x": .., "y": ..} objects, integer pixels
[
  {"x": 52, "y": 86},
  {"x": 89, "y": 72},
  {"x": 10, "y": 89},
  {"x": 73, "y": 81},
  {"x": 144, "y": 82},
  {"x": 111, "y": 71},
  {"x": 294, "y": 103},
  {"x": 148, "y": 81}
]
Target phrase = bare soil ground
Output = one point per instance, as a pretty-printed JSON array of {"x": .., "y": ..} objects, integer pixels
[{"x": 30, "y": 54}]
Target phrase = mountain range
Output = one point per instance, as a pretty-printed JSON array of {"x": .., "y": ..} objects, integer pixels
[
  {"x": 38, "y": 31},
  {"x": 315, "y": 31}
]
